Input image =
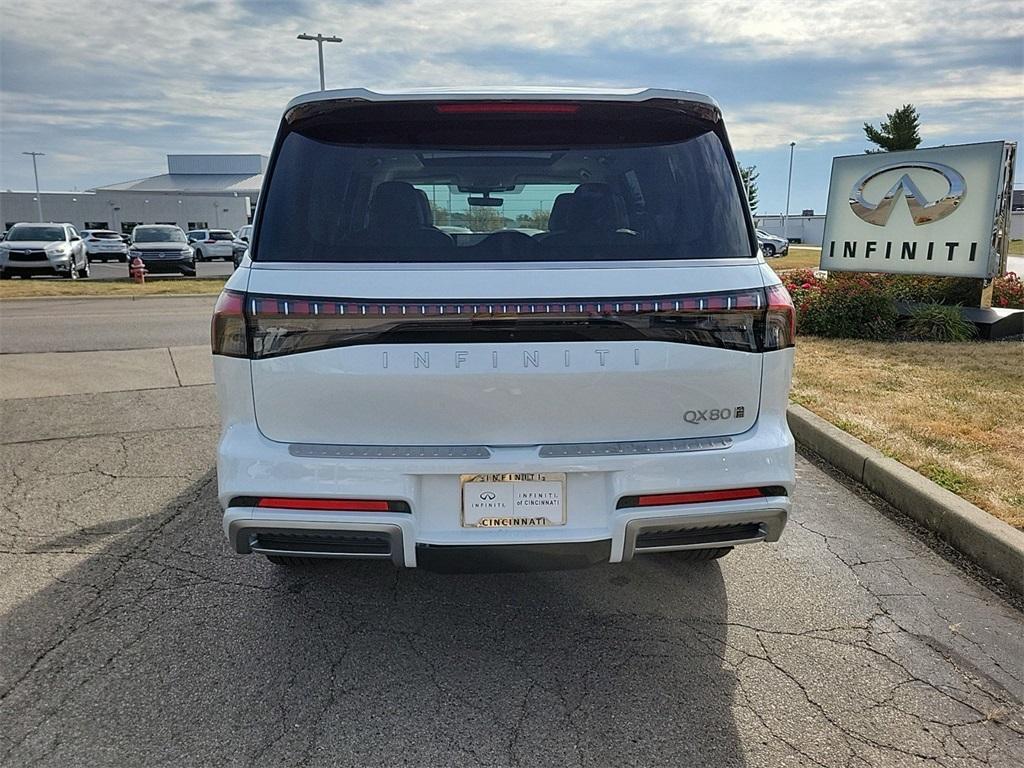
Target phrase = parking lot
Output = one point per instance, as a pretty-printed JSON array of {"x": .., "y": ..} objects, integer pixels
[
  {"x": 106, "y": 270},
  {"x": 133, "y": 636}
]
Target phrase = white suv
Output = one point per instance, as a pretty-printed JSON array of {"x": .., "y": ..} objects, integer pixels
[
  {"x": 212, "y": 244},
  {"x": 612, "y": 385}
]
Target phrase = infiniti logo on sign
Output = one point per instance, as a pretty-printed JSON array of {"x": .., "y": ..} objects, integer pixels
[{"x": 923, "y": 210}]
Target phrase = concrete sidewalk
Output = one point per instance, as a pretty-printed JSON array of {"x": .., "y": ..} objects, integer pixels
[{"x": 53, "y": 374}]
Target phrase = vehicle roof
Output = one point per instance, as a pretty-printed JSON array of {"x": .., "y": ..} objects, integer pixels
[
  {"x": 506, "y": 93},
  {"x": 157, "y": 226},
  {"x": 42, "y": 224}
]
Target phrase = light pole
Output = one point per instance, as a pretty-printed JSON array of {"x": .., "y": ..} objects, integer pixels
[
  {"x": 789, "y": 188},
  {"x": 39, "y": 199},
  {"x": 320, "y": 40}
]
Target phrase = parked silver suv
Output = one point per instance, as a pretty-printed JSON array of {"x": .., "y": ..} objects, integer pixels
[{"x": 43, "y": 249}]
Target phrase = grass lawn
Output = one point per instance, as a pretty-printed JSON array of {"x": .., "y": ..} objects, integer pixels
[
  {"x": 799, "y": 257},
  {"x": 1017, "y": 247},
  {"x": 11, "y": 289},
  {"x": 953, "y": 412}
]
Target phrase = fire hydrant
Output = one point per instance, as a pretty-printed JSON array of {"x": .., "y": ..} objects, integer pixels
[{"x": 138, "y": 270}]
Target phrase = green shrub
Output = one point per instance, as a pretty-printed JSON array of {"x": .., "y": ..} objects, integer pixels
[
  {"x": 938, "y": 322},
  {"x": 854, "y": 308}
]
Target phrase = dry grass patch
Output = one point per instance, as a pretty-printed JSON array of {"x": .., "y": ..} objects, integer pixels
[
  {"x": 799, "y": 257},
  {"x": 167, "y": 286},
  {"x": 953, "y": 412}
]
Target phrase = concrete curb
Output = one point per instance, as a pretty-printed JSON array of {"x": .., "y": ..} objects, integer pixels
[{"x": 990, "y": 543}]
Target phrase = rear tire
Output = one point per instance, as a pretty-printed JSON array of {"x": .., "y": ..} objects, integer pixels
[
  {"x": 84, "y": 271},
  {"x": 292, "y": 562},
  {"x": 701, "y": 555},
  {"x": 199, "y": 256}
]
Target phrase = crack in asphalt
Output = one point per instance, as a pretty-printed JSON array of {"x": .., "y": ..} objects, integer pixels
[{"x": 951, "y": 707}]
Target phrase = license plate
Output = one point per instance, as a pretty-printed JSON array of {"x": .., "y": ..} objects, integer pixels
[{"x": 517, "y": 500}]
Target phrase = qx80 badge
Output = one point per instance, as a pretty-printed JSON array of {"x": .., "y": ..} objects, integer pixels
[{"x": 922, "y": 210}]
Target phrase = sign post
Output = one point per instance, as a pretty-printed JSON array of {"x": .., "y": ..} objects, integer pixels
[{"x": 943, "y": 211}]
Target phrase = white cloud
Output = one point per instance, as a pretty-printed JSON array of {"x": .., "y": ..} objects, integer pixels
[{"x": 175, "y": 76}]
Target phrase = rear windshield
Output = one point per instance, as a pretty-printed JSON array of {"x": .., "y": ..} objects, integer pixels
[
  {"x": 222, "y": 234},
  {"x": 105, "y": 235},
  {"x": 159, "y": 235},
  {"x": 35, "y": 233},
  {"x": 619, "y": 182}
]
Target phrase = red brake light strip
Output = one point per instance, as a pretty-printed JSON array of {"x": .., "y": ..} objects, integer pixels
[
  {"x": 507, "y": 107},
  {"x": 333, "y": 505},
  {"x": 697, "y": 497}
]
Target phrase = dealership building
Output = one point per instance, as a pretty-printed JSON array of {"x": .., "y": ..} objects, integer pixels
[{"x": 197, "y": 192}]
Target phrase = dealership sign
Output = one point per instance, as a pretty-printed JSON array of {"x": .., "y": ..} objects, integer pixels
[{"x": 941, "y": 211}]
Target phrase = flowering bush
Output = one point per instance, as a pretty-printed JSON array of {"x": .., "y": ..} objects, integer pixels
[
  {"x": 863, "y": 305},
  {"x": 854, "y": 307},
  {"x": 1008, "y": 291}
]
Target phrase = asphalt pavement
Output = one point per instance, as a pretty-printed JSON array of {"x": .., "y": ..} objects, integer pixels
[
  {"x": 131, "y": 635},
  {"x": 77, "y": 325}
]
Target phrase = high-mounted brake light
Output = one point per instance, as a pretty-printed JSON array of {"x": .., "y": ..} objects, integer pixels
[
  {"x": 508, "y": 107},
  {"x": 326, "y": 505},
  {"x": 228, "y": 333},
  {"x": 780, "y": 322}
]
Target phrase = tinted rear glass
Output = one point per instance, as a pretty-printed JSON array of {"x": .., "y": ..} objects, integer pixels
[
  {"x": 105, "y": 235},
  {"x": 221, "y": 235},
  {"x": 411, "y": 184}
]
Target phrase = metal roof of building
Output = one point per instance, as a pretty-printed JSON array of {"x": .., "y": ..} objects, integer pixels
[{"x": 195, "y": 183}]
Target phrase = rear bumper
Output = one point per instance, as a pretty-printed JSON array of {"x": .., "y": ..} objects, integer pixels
[
  {"x": 639, "y": 533},
  {"x": 250, "y": 465}
]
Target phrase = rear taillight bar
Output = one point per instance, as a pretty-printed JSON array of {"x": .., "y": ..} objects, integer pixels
[
  {"x": 321, "y": 505},
  {"x": 260, "y": 326},
  {"x": 698, "y": 497}
]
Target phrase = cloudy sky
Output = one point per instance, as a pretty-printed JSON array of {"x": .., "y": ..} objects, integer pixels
[{"x": 106, "y": 88}]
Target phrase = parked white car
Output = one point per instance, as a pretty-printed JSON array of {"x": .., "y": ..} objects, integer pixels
[
  {"x": 772, "y": 245},
  {"x": 43, "y": 249},
  {"x": 212, "y": 244},
  {"x": 614, "y": 386},
  {"x": 103, "y": 245}
]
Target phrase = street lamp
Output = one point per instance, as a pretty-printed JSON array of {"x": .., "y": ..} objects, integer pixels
[
  {"x": 39, "y": 198},
  {"x": 320, "y": 40},
  {"x": 789, "y": 187}
]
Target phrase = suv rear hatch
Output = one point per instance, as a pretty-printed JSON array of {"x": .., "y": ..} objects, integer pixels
[{"x": 597, "y": 281}]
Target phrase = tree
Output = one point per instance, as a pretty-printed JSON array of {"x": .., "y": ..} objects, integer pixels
[
  {"x": 536, "y": 219},
  {"x": 441, "y": 215},
  {"x": 899, "y": 131},
  {"x": 483, "y": 219},
  {"x": 749, "y": 175}
]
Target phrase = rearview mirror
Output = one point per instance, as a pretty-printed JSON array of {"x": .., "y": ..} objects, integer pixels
[{"x": 493, "y": 202}]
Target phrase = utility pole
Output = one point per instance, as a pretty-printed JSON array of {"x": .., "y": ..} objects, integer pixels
[
  {"x": 35, "y": 172},
  {"x": 789, "y": 188},
  {"x": 320, "y": 40}
]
